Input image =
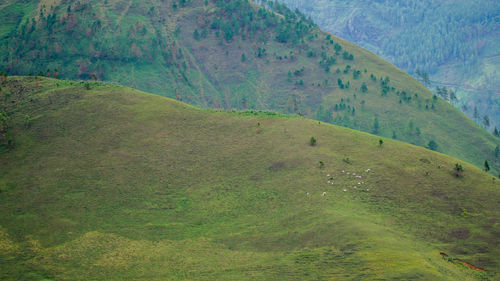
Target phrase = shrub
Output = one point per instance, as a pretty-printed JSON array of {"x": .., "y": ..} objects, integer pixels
[
  {"x": 312, "y": 141},
  {"x": 347, "y": 160},
  {"x": 457, "y": 171}
]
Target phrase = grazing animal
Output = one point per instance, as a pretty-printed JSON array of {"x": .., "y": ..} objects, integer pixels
[{"x": 324, "y": 193}]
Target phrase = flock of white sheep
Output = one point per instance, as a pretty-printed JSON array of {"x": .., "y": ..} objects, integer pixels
[{"x": 359, "y": 184}]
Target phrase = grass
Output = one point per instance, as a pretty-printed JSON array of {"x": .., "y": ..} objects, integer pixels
[{"x": 112, "y": 183}]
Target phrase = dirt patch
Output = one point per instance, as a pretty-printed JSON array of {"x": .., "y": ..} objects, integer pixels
[
  {"x": 277, "y": 166},
  {"x": 467, "y": 264},
  {"x": 471, "y": 266},
  {"x": 256, "y": 177},
  {"x": 440, "y": 194},
  {"x": 459, "y": 233},
  {"x": 424, "y": 160}
]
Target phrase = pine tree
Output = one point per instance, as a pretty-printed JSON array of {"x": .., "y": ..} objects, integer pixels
[
  {"x": 364, "y": 88},
  {"x": 196, "y": 35},
  {"x": 486, "y": 166},
  {"x": 486, "y": 121},
  {"x": 432, "y": 145},
  {"x": 476, "y": 113}
]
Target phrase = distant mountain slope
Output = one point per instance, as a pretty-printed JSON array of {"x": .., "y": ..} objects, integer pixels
[
  {"x": 236, "y": 54},
  {"x": 457, "y": 42},
  {"x": 104, "y": 182}
]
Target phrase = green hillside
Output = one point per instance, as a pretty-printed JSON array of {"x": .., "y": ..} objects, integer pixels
[
  {"x": 455, "y": 42},
  {"x": 234, "y": 54},
  {"x": 103, "y": 182}
]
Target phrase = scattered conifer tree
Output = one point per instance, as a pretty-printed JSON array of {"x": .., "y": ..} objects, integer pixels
[
  {"x": 486, "y": 121},
  {"x": 196, "y": 35},
  {"x": 432, "y": 145},
  {"x": 364, "y": 88}
]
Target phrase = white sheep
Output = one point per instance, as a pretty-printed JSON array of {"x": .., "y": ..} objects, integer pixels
[{"x": 324, "y": 193}]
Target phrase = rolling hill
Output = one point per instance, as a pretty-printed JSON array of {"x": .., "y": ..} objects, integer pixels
[
  {"x": 103, "y": 182},
  {"x": 235, "y": 55}
]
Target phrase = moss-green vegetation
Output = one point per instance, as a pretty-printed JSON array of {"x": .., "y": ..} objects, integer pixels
[
  {"x": 236, "y": 55},
  {"x": 108, "y": 183}
]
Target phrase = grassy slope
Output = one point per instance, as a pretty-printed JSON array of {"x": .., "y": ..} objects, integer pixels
[
  {"x": 371, "y": 26},
  {"x": 111, "y": 183},
  {"x": 210, "y": 72}
]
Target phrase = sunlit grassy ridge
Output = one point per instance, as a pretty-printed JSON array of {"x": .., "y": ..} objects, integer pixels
[
  {"x": 235, "y": 55},
  {"x": 109, "y": 183}
]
